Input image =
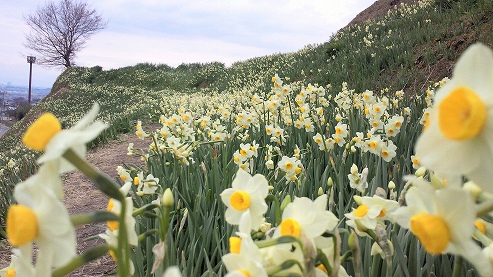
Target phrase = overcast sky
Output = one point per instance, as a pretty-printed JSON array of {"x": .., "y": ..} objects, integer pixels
[{"x": 179, "y": 31}]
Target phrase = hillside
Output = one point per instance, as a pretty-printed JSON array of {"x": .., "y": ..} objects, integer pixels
[
  {"x": 407, "y": 49},
  {"x": 208, "y": 115}
]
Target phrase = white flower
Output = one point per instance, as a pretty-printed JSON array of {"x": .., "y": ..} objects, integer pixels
[
  {"x": 149, "y": 185},
  {"x": 358, "y": 181},
  {"x": 461, "y": 121},
  {"x": 40, "y": 217},
  {"x": 443, "y": 221},
  {"x": 248, "y": 193},
  {"x": 248, "y": 262},
  {"x": 115, "y": 207},
  {"x": 46, "y": 134},
  {"x": 19, "y": 265},
  {"x": 307, "y": 216}
]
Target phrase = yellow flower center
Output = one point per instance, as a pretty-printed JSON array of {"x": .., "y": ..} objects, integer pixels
[
  {"x": 39, "y": 134},
  {"x": 361, "y": 211},
  {"x": 240, "y": 200},
  {"x": 113, "y": 225},
  {"x": 480, "y": 226},
  {"x": 136, "y": 181},
  {"x": 432, "y": 232},
  {"x": 243, "y": 152},
  {"x": 112, "y": 254},
  {"x": 290, "y": 227},
  {"x": 22, "y": 225},
  {"x": 322, "y": 267},
  {"x": 373, "y": 144},
  {"x": 244, "y": 272},
  {"x": 289, "y": 166},
  {"x": 234, "y": 245},
  {"x": 10, "y": 273},
  {"x": 462, "y": 114},
  {"x": 382, "y": 213},
  {"x": 297, "y": 170}
]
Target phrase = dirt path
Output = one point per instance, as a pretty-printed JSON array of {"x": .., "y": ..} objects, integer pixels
[{"x": 81, "y": 197}]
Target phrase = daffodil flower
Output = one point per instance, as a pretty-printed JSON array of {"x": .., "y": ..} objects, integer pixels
[
  {"x": 46, "y": 134},
  {"x": 115, "y": 206},
  {"x": 40, "y": 217},
  {"x": 246, "y": 263},
  {"x": 111, "y": 238},
  {"x": 19, "y": 266},
  {"x": 47, "y": 176},
  {"x": 461, "y": 121},
  {"x": 443, "y": 221},
  {"x": 308, "y": 217},
  {"x": 247, "y": 193}
]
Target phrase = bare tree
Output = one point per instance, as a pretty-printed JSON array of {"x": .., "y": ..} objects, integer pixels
[{"x": 60, "y": 30}]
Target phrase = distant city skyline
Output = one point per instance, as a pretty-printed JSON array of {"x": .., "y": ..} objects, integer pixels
[{"x": 173, "y": 32}]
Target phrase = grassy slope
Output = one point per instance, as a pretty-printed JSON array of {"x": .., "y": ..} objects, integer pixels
[{"x": 406, "y": 50}]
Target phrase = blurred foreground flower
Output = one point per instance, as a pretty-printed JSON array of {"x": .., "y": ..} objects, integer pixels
[
  {"x": 443, "y": 220},
  {"x": 40, "y": 217},
  {"x": 461, "y": 121},
  {"x": 46, "y": 134}
]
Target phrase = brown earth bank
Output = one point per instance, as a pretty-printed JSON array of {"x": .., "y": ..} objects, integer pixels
[
  {"x": 378, "y": 9},
  {"x": 82, "y": 197}
]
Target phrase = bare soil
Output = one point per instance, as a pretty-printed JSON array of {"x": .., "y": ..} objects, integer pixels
[
  {"x": 82, "y": 197},
  {"x": 378, "y": 9}
]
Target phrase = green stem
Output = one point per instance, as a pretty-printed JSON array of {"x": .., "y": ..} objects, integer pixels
[
  {"x": 144, "y": 208},
  {"x": 457, "y": 266},
  {"x": 122, "y": 253},
  {"x": 94, "y": 217},
  {"x": 285, "y": 265},
  {"x": 102, "y": 181},
  {"x": 374, "y": 266},
  {"x": 277, "y": 207},
  {"x": 164, "y": 223},
  {"x": 147, "y": 233},
  {"x": 485, "y": 207},
  {"x": 279, "y": 240},
  {"x": 91, "y": 254},
  {"x": 346, "y": 256}
]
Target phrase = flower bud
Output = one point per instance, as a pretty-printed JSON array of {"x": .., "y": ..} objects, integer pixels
[
  {"x": 391, "y": 185},
  {"x": 353, "y": 241},
  {"x": 357, "y": 199},
  {"x": 420, "y": 172},
  {"x": 354, "y": 169},
  {"x": 330, "y": 183},
  {"x": 168, "y": 199},
  {"x": 320, "y": 191},
  {"x": 285, "y": 202}
]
